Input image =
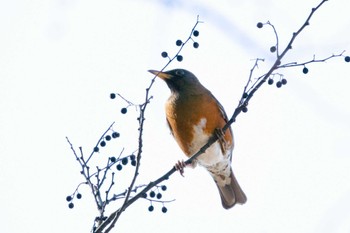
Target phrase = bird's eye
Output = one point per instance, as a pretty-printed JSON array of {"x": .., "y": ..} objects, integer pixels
[{"x": 180, "y": 72}]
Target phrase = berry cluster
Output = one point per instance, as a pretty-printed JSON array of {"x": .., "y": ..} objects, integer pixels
[
  {"x": 155, "y": 196},
  {"x": 279, "y": 83},
  {"x": 179, "y": 43},
  {"x": 123, "y": 110},
  {"x": 124, "y": 161},
  {"x": 112, "y": 161},
  {"x": 151, "y": 208},
  {"x": 107, "y": 138},
  {"x": 70, "y": 199}
]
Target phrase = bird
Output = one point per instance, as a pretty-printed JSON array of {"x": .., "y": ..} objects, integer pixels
[{"x": 194, "y": 115}]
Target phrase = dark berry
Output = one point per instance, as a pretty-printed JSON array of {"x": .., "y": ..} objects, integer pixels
[
  {"x": 119, "y": 167},
  {"x": 79, "y": 196},
  {"x": 71, "y": 205},
  {"x": 96, "y": 149},
  {"x": 152, "y": 194},
  {"x": 102, "y": 143},
  {"x": 113, "y": 159},
  {"x": 196, "y": 33},
  {"x": 284, "y": 81},
  {"x": 125, "y": 161},
  {"x": 279, "y": 84},
  {"x": 347, "y": 59},
  {"x": 112, "y": 95},
  {"x": 164, "y": 187},
  {"x": 150, "y": 208},
  {"x": 164, "y": 54},
  {"x": 195, "y": 45},
  {"x": 115, "y": 134},
  {"x": 123, "y": 110},
  {"x": 159, "y": 196},
  {"x": 245, "y": 95},
  {"x": 244, "y": 109},
  {"x": 305, "y": 70},
  {"x": 260, "y": 25},
  {"x": 132, "y": 157},
  {"x": 68, "y": 198},
  {"x": 273, "y": 49},
  {"x": 108, "y": 137},
  {"x": 133, "y": 163},
  {"x": 144, "y": 195},
  {"x": 164, "y": 209},
  {"x": 178, "y": 42},
  {"x": 270, "y": 81},
  {"x": 179, "y": 57}
]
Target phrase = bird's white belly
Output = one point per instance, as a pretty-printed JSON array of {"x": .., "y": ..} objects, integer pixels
[
  {"x": 213, "y": 159},
  {"x": 213, "y": 154}
]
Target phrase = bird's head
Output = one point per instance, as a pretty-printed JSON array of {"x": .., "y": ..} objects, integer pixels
[{"x": 180, "y": 80}]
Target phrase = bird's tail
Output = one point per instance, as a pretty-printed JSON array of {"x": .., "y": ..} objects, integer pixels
[{"x": 231, "y": 193}]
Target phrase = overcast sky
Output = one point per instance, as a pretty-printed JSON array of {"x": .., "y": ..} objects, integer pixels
[{"x": 60, "y": 60}]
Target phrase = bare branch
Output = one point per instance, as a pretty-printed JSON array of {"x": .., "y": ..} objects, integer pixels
[{"x": 314, "y": 60}]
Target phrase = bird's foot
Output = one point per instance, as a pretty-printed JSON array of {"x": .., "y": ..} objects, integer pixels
[
  {"x": 179, "y": 166},
  {"x": 221, "y": 137}
]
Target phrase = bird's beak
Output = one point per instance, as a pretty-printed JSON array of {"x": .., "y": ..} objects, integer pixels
[{"x": 160, "y": 74}]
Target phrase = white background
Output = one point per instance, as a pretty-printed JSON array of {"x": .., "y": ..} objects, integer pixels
[{"x": 60, "y": 60}]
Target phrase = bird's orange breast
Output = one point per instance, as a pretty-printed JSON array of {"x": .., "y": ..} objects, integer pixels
[{"x": 185, "y": 114}]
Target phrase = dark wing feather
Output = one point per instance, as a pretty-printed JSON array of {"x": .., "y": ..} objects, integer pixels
[{"x": 224, "y": 116}]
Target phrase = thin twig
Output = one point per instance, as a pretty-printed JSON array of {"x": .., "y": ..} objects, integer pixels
[
  {"x": 293, "y": 64},
  {"x": 102, "y": 136},
  {"x": 276, "y": 35}
]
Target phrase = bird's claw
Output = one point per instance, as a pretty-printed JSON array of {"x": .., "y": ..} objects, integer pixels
[{"x": 179, "y": 166}]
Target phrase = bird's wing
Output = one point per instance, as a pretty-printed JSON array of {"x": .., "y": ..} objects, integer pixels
[
  {"x": 224, "y": 116},
  {"x": 222, "y": 110}
]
